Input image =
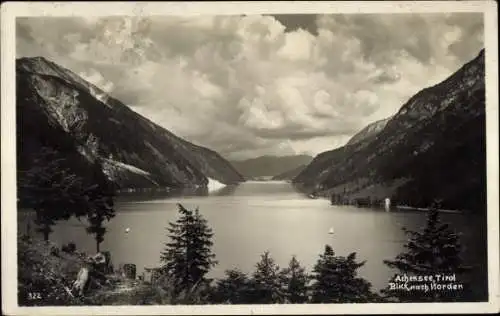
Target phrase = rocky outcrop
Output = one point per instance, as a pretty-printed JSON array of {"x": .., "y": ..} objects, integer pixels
[
  {"x": 433, "y": 148},
  {"x": 58, "y": 109},
  {"x": 368, "y": 132}
]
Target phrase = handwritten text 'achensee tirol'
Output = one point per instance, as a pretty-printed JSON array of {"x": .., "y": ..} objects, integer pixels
[{"x": 426, "y": 283}]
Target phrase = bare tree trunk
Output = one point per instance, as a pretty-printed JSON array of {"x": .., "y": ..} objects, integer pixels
[
  {"x": 43, "y": 225},
  {"x": 28, "y": 228},
  {"x": 46, "y": 233}
]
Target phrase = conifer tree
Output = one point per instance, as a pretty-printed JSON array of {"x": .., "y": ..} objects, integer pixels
[
  {"x": 233, "y": 289},
  {"x": 188, "y": 256},
  {"x": 335, "y": 280},
  {"x": 99, "y": 198},
  {"x": 434, "y": 250},
  {"x": 295, "y": 280},
  {"x": 266, "y": 282},
  {"x": 51, "y": 189}
]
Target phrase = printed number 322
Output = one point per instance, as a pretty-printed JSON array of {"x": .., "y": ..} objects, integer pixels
[{"x": 34, "y": 296}]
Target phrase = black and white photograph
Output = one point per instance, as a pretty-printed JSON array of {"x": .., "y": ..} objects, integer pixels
[{"x": 255, "y": 158}]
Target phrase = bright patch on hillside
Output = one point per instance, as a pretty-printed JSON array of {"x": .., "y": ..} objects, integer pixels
[{"x": 214, "y": 185}]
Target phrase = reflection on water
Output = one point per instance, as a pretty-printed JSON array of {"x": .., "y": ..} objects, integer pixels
[
  {"x": 146, "y": 194},
  {"x": 225, "y": 191},
  {"x": 161, "y": 193},
  {"x": 253, "y": 217}
]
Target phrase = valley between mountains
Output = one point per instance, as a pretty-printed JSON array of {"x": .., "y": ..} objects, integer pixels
[{"x": 432, "y": 148}]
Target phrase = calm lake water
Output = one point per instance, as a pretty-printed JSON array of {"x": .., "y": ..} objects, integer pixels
[{"x": 258, "y": 216}]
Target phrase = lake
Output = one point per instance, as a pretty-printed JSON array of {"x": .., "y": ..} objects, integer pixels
[{"x": 254, "y": 217}]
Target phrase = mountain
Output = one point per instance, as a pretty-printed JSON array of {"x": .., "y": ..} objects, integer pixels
[
  {"x": 58, "y": 109},
  {"x": 269, "y": 166},
  {"x": 433, "y": 148},
  {"x": 290, "y": 174},
  {"x": 368, "y": 132}
]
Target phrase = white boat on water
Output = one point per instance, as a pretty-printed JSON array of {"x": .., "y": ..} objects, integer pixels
[{"x": 330, "y": 231}]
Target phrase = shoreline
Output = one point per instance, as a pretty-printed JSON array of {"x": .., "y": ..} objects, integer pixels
[
  {"x": 396, "y": 207},
  {"x": 425, "y": 209}
]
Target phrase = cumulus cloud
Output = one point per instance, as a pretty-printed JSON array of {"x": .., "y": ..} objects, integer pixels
[{"x": 253, "y": 85}]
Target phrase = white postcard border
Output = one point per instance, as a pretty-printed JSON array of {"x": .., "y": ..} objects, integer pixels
[{"x": 11, "y": 10}]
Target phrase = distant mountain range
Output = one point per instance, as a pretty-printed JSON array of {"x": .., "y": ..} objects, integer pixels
[
  {"x": 369, "y": 131},
  {"x": 290, "y": 174},
  {"x": 269, "y": 166},
  {"x": 58, "y": 109},
  {"x": 433, "y": 148}
]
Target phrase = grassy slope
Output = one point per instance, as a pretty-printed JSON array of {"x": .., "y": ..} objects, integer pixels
[{"x": 40, "y": 271}]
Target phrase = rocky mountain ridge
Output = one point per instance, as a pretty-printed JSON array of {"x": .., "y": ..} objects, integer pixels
[
  {"x": 433, "y": 148},
  {"x": 369, "y": 131},
  {"x": 56, "y": 108}
]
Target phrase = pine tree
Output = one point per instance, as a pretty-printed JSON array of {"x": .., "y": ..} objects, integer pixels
[
  {"x": 266, "y": 282},
  {"x": 51, "y": 189},
  {"x": 188, "y": 257},
  {"x": 99, "y": 200},
  {"x": 233, "y": 289},
  {"x": 335, "y": 280},
  {"x": 434, "y": 250},
  {"x": 295, "y": 279}
]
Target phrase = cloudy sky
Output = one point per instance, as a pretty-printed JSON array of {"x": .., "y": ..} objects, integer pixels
[{"x": 253, "y": 85}]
